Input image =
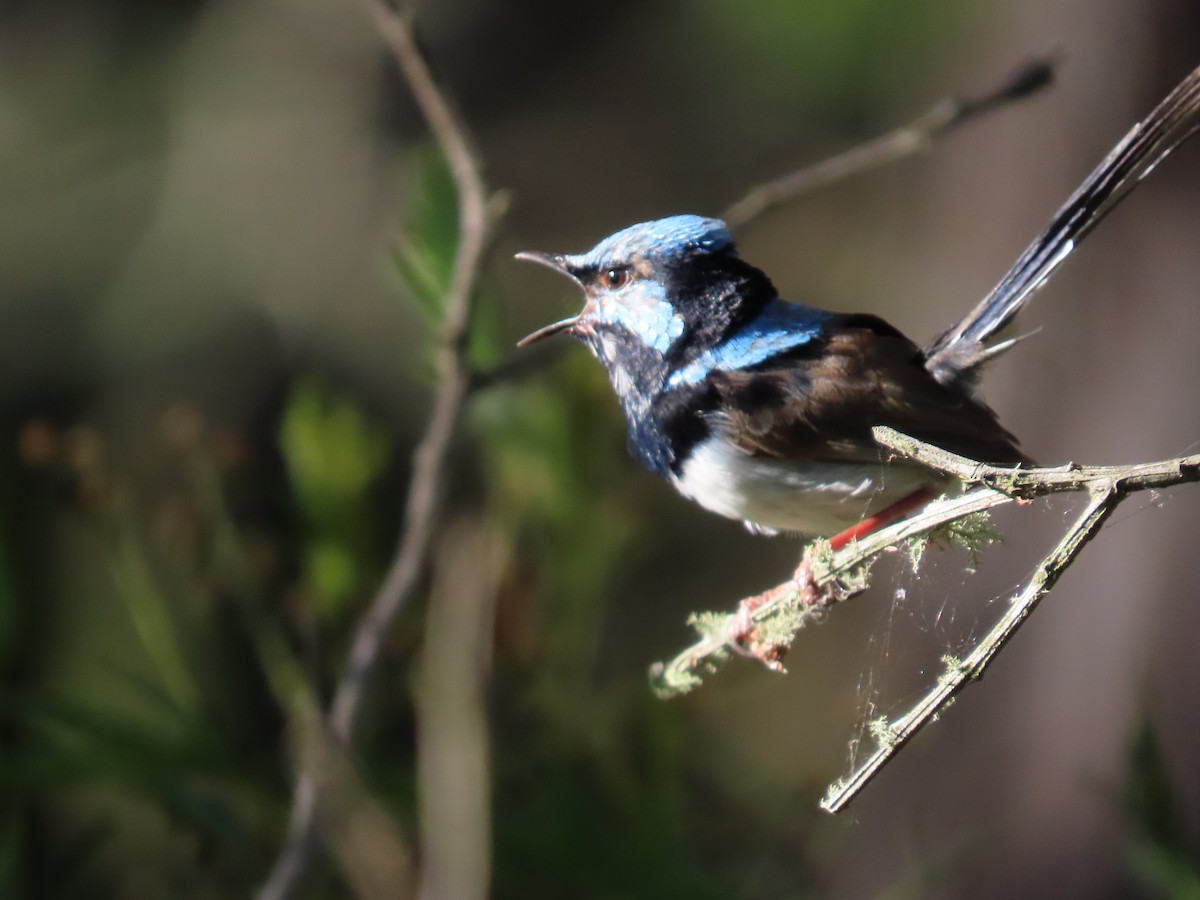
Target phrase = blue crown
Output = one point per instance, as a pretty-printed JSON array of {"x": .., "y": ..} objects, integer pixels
[{"x": 673, "y": 235}]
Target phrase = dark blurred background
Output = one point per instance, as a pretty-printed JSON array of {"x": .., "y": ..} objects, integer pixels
[{"x": 223, "y": 237}]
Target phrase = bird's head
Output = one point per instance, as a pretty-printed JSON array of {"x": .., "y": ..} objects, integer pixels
[{"x": 653, "y": 289}]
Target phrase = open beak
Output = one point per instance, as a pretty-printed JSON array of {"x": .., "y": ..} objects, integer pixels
[
  {"x": 548, "y": 331},
  {"x": 558, "y": 263}
]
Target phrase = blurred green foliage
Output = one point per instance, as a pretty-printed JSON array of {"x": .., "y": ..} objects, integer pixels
[
  {"x": 1159, "y": 853},
  {"x": 167, "y": 747},
  {"x": 423, "y": 254}
]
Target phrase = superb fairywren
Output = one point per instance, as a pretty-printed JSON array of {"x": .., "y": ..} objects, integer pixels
[{"x": 761, "y": 410}]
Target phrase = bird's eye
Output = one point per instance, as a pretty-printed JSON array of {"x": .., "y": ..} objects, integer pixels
[{"x": 614, "y": 278}]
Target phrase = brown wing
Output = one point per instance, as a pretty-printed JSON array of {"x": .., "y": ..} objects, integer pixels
[{"x": 820, "y": 402}]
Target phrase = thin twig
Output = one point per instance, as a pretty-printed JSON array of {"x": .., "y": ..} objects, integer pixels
[
  {"x": 783, "y": 615},
  {"x": 904, "y": 141},
  {"x": 429, "y": 457},
  {"x": 958, "y": 673}
]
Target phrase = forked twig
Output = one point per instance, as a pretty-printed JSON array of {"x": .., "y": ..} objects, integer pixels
[
  {"x": 1106, "y": 486},
  {"x": 784, "y": 614},
  {"x": 474, "y": 231},
  {"x": 429, "y": 457}
]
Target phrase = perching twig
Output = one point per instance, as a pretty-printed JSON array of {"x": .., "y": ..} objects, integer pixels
[
  {"x": 905, "y": 141},
  {"x": 781, "y": 617},
  {"x": 395, "y": 28}
]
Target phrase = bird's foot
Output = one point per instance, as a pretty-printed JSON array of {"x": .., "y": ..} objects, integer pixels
[
  {"x": 808, "y": 591},
  {"x": 747, "y": 638}
]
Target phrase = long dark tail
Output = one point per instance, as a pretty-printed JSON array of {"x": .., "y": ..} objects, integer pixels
[{"x": 953, "y": 354}]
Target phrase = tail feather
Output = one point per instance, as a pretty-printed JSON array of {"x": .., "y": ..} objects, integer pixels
[{"x": 953, "y": 354}]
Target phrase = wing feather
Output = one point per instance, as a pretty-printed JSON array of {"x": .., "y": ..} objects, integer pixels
[{"x": 820, "y": 400}]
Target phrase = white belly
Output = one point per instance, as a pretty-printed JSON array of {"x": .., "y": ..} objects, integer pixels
[{"x": 812, "y": 498}]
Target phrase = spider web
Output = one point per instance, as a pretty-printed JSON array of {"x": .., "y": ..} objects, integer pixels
[{"x": 940, "y": 612}]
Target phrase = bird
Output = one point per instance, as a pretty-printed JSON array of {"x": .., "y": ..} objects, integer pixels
[{"x": 761, "y": 410}]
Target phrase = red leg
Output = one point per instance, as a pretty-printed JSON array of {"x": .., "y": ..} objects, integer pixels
[
  {"x": 742, "y": 631},
  {"x": 897, "y": 510},
  {"x": 802, "y": 577}
]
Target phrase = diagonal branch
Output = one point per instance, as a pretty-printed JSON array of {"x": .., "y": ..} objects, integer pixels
[
  {"x": 429, "y": 457},
  {"x": 907, "y": 140},
  {"x": 892, "y": 736}
]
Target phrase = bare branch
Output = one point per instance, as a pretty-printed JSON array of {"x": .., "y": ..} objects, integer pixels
[
  {"x": 958, "y": 673},
  {"x": 782, "y": 616},
  {"x": 906, "y": 140},
  {"x": 428, "y": 463}
]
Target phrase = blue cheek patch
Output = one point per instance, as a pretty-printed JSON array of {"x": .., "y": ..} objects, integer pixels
[
  {"x": 780, "y": 327},
  {"x": 643, "y": 309}
]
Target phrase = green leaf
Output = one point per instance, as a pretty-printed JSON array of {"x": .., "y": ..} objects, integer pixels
[
  {"x": 424, "y": 254},
  {"x": 1159, "y": 853}
]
